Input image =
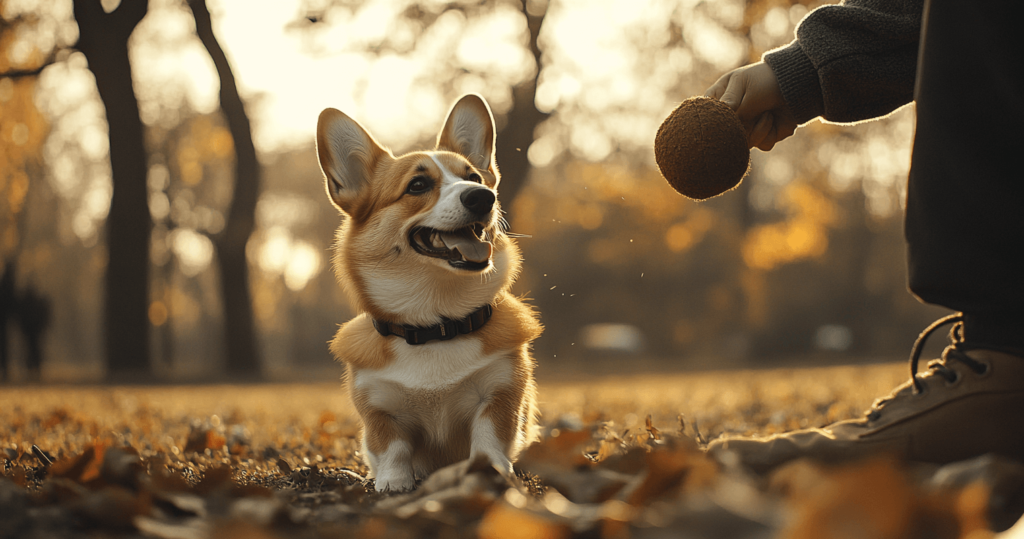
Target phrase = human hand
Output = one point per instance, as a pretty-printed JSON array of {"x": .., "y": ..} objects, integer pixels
[{"x": 753, "y": 92}]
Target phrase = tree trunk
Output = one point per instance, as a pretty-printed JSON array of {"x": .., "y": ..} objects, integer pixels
[
  {"x": 103, "y": 38},
  {"x": 515, "y": 138},
  {"x": 243, "y": 356}
]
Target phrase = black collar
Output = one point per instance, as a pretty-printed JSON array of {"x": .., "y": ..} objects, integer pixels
[{"x": 447, "y": 329}]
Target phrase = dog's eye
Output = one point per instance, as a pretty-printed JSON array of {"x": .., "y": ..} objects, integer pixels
[
  {"x": 419, "y": 185},
  {"x": 474, "y": 177}
]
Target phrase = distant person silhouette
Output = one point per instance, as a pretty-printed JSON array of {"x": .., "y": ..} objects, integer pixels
[
  {"x": 34, "y": 317},
  {"x": 6, "y": 313},
  {"x": 32, "y": 312}
]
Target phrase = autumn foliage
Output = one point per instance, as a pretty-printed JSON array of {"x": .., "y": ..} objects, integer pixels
[{"x": 124, "y": 462}]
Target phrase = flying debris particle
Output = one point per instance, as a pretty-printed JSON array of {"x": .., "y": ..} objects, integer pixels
[{"x": 553, "y": 287}]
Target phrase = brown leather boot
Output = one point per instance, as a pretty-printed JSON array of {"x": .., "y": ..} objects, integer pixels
[{"x": 969, "y": 403}]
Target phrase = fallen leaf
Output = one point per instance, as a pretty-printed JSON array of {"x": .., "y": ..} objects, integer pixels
[
  {"x": 111, "y": 507},
  {"x": 217, "y": 478},
  {"x": 506, "y": 522},
  {"x": 867, "y": 499},
  {"x": 200, "y": 440}
]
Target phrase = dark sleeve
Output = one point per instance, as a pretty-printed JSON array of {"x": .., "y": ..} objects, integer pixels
[{"x": 851, "y": 61}]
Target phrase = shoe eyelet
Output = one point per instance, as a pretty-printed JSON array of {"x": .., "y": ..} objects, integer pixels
[
  {"x": 987, "y": 371},
  {"x": 956, "y": 379}
]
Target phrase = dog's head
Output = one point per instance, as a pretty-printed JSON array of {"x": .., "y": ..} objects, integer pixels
[{"x": 424, "y": 236}]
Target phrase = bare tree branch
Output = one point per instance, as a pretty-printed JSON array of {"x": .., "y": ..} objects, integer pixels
[{"x": 515, "y": 138}]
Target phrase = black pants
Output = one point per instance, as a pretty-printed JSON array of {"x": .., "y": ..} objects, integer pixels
[{"x": 965, "y": 199}]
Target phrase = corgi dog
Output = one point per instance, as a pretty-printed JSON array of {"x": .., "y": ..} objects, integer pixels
[{"x": 438, "y": 359}]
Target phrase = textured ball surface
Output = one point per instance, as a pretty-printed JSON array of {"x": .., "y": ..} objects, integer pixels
[{"x": 701, "y": 148}]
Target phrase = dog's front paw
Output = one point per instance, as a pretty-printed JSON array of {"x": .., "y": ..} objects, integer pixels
[
  {"x": 504, "y": 466},
  {"x": 392, "y": 482}
]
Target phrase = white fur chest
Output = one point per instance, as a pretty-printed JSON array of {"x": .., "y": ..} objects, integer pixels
[
  {"x": 430, "y": 366},
  {"x": 420, "y": 298}
]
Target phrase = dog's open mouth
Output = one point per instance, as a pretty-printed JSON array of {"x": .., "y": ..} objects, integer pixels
[{"x": 467, "y": 248}]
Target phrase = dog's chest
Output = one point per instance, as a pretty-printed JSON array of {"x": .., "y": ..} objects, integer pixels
[
  {"x": 438, "y": 387},
  {"x": 429, "y": 367}
]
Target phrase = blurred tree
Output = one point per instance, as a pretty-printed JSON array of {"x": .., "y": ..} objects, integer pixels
[
  {"x": 520, "y": 126},
  {"x": 243, "y": 356},
  {"x": 103, "y": 39}
]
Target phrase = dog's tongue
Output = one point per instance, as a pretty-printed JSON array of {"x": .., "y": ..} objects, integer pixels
[{"x": 468, "y": 244}]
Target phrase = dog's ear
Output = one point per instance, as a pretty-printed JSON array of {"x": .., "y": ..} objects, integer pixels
[
  {"x": 469, "y": 131},
  {"x": 348, "y": 155}
]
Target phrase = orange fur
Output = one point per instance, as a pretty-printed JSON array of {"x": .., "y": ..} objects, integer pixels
[
  {"x": 358, "y": 344},
  {"x": 512, "y": 324}
]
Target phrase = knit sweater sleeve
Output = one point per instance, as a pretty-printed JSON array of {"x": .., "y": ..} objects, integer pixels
[{"x": 851, "y": 61}]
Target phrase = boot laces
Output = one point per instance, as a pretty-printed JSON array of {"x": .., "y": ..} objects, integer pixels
[{"x": 940, "y": 367}]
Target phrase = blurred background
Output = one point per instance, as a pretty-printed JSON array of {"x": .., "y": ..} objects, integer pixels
[{"x": 163, "y": 215}]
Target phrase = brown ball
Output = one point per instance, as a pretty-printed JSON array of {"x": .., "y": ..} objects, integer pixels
[{"x": 701, "y": 148}]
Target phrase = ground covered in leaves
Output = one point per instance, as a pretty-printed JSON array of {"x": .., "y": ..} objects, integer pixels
[{"x": 620, "y": 457}]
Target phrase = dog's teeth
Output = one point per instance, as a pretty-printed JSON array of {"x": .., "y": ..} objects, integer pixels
[{"x": 435, "y": 240}]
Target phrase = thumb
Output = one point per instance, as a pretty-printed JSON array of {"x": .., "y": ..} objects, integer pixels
[
  {"x": 718, "y": 88},
  {"x": 734, "y": 91}
]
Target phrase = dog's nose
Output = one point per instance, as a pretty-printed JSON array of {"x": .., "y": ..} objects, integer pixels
[{"x": 478, "y": 200}]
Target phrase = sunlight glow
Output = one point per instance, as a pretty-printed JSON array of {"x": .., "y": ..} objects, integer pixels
[
  {"x": 194, "y": 250},
  {"x": 303, "y": 265},
  {"x": 170, "y": 67},
  {"x": 544, "y": 150},
  {"x": 273, "y": 254},
  {"x": 715, "y": 44},
  {"x": 390, "y": 80},
  {"x": 296, "y": 260}
]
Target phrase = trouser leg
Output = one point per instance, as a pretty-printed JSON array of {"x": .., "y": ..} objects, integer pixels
[{"x": 965, "y": 198}]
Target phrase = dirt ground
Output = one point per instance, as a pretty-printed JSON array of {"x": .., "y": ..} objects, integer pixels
[{"x": 621, "y": 457}]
